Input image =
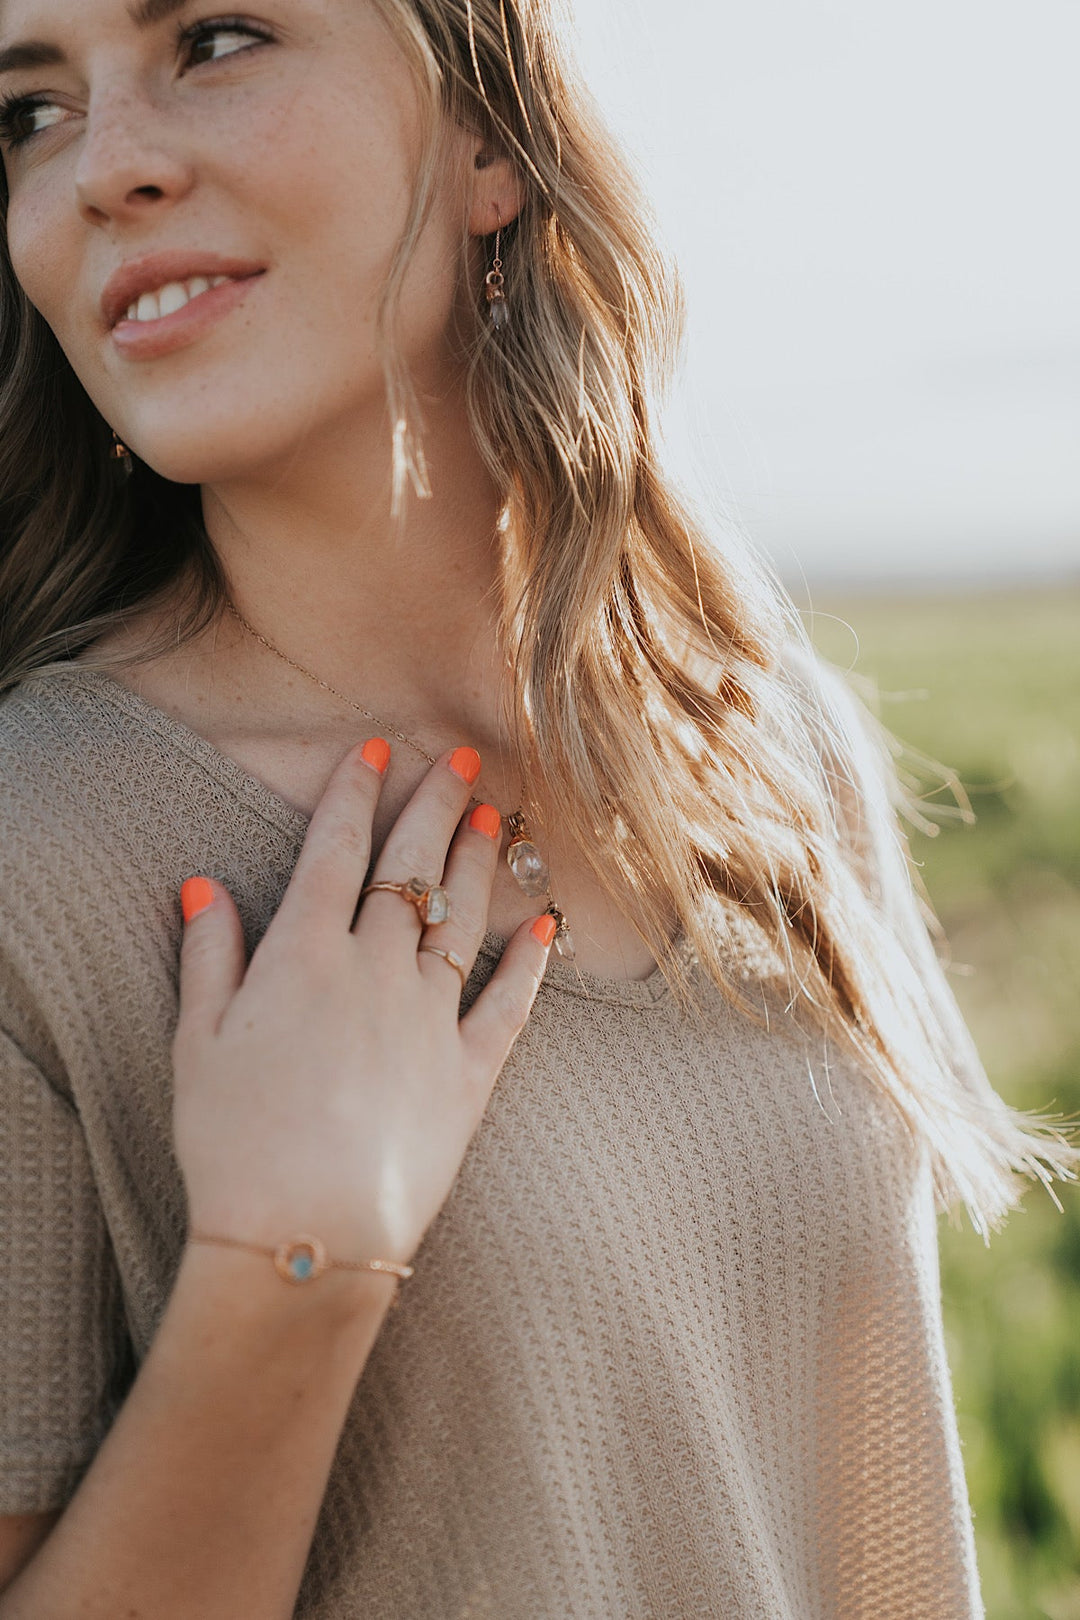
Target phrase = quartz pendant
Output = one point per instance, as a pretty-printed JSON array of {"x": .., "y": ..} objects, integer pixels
[
  {"x": 528, "y": 866},
  {"x": 564, "y": 939},
  {"x": 531, "y": 872},
  {"x": 500, "y": 313}
]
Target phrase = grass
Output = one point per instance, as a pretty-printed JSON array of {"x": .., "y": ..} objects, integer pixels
[{"x": 990, "y": 685}]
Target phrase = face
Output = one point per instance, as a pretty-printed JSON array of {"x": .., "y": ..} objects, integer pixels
[{"x": 204, "y": 208}]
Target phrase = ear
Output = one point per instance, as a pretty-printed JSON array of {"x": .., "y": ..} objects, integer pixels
[{"x": 498, "y": 193}]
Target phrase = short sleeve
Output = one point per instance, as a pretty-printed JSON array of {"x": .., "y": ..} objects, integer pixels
[{"x": 65, "y": 1357}]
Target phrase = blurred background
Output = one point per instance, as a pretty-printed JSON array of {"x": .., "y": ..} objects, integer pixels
[{"x": 870, "y": 206}]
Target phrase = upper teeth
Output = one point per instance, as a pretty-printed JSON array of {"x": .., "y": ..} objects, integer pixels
[{"x": 152, "y": 306}]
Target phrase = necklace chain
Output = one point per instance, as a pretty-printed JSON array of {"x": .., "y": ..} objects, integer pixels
[
  {"x": 384, "y": 725},
  {"x": 523, "y": 857}
]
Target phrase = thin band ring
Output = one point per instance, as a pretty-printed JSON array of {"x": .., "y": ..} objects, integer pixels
[
  {"x": 429, "y": 900},
  {"x": 448, "y": 956}
]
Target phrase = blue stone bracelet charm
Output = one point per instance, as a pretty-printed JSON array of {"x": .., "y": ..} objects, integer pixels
[{"x": 304, "y": 1258}]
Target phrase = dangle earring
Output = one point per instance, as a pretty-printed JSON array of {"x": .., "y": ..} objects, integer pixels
[
  {"x": 122, "y": 455},
  {"x": 498, "y": 308}
]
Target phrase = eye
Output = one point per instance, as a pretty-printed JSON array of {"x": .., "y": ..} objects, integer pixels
[
  {"x": 219, "y": 37},
  {"x": 23, "y": 117}
]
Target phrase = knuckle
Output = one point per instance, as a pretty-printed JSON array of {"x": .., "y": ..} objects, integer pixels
[
  {"x": 469, "y": 920},
  {"x": 412, "y": 859},
  {"x": 339, "y": 836},
  {"x": 347, "y": 835}
]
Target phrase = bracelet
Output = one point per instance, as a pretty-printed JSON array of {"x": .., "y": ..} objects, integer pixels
[{"x": 302, "y": 1259}]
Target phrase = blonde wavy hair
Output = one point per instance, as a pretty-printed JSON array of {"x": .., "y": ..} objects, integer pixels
[{"x": 665, "y": 696}]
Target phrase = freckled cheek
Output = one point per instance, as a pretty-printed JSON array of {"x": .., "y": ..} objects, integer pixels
[
  {"x": 329, "y": 164},
  {"x": 46, "y": 268},
  {"x": 328, "y": 223}
]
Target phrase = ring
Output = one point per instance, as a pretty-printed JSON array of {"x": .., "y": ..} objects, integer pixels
[
  {"x": 430, "y": 901},
  {"x": 448, "y": 956}
]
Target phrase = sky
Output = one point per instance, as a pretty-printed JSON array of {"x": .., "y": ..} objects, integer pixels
[{"x": 874, "y": 210}]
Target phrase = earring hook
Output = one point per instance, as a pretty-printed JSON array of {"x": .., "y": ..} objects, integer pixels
[{"x": 498, "y": 309}]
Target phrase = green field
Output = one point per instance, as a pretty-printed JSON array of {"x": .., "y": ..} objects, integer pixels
[{"x": 990, "y": 685}]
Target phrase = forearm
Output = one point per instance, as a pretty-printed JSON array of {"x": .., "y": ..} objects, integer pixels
[{"x": 204, "y": 1495}]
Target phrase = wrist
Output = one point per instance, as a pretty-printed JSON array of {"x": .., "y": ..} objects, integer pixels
[
  {"x": 301, "y": 1259},
  {"x": 243, "y": 1288}
]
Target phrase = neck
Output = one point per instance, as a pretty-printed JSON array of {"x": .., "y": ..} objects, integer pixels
[{"x": 402, "y": 615}]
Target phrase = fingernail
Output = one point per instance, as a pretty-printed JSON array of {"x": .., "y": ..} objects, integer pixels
[
  {"x": 465, "y": 762},
  {"x": 376, "y": 753},
  {"x": 487, "y": 820},
  {"x": 543, "y": 929},
  {"x": 195, "y": 895}
]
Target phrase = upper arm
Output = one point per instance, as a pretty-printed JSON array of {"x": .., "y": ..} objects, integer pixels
[
  {"x": 21, "y": 1534},
  {"x": 64, "y": 1350}
]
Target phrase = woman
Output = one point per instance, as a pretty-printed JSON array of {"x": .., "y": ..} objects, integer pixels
[{"x": 396, "y": 587}]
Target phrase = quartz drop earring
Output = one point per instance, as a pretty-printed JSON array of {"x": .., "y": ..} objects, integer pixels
[
  {"x": 494, "y": 284},
  {"x": 121, "y": 455}
]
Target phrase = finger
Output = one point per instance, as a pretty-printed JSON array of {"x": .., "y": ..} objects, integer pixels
[
  {"x": 337, "y": 848},
  {"x": 469, "y": 874},
  {"x": 417, "y": 843},
  {"x": 212, "y": 958},
  {"x": 497, "y": 1017}
]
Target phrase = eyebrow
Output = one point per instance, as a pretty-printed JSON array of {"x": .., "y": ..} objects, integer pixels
[{"x": 33, "y": 53}]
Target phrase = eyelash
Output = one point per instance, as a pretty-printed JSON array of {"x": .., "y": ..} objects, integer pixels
[{"x": 15, "y": 107}]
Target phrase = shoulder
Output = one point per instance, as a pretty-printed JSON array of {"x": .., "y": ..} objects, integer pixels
[
  {"x": 51, "y": 725},
  {"x": 43, "y": 731},
  {"x": 67, "y": 768}
]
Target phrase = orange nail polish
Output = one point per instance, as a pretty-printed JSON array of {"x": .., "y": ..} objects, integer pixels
[
  {"x": 376, "y": 753},
  {"x": 487, "y": 820},
  {"x": 543, "y": 929},
  {"x": 465, "y": 762},
  {"x": 195, "y": 895}
]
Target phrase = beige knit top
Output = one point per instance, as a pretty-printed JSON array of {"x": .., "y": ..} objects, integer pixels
[{"x": 673, "y": 1346}]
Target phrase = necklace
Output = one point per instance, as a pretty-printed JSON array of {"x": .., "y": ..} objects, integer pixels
[{"x": 524, "y": 859}]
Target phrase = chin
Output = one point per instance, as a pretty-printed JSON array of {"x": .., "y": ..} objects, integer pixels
[
  {"x": 264, "y": 431},
  {"x": 216, "y": 452}
]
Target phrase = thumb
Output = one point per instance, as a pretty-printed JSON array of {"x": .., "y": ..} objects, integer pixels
[{"x": 212, "y": 957}]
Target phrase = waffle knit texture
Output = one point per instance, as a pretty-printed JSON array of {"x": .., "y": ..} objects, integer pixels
[{"x": 674, "y": 1344}]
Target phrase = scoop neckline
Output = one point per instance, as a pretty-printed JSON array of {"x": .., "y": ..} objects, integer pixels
[{"x": 279, "y": 813}]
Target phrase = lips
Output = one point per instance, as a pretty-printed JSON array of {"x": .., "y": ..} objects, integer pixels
[{"x": 156, "y": 270}]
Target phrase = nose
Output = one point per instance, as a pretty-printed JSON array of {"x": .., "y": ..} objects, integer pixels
[{"x": 129, "y": 162}]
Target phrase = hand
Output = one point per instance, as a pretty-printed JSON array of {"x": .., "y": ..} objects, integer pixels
[{"x": 331, "y": 1088}]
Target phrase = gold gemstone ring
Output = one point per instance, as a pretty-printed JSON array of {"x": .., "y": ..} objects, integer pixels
[
  {"x": 430, "y": 901},
  {"x": 449, "y": 956}
]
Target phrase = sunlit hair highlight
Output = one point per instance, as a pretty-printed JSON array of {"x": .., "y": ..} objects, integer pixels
[{"x": 666, "y": 706}]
